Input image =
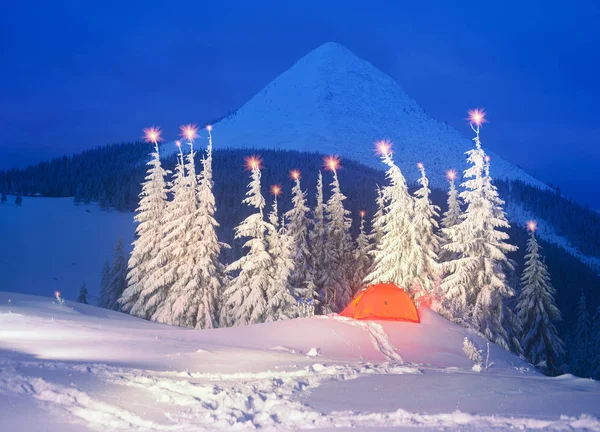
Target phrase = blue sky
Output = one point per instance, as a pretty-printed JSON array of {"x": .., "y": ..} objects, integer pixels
[{"x": 76, "y": 75}]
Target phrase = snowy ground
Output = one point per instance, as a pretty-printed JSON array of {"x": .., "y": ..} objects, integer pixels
[{"x": 75, "y": 367}]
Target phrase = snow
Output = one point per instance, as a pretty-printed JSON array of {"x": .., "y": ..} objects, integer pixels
[
  {"x": 333, "y": 102},
  {"x": 66, "y": 243},
  {"x": 76, "y": 367}
]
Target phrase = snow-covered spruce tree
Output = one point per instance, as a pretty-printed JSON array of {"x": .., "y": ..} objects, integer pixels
[
  {"x": 118, "y": 277},
  {"x": 149, "y": 216},
  {"x": 104, "y": 300},
  {"x": 536, "y": 310},
  {"x": 83, "y": 292},
  {"x": 362, "y": 257},
  {"x": 193, "y": 296},
  {"x": 281, "y": 303},
  {"x": 423, "y": 265},
  {"x": 338, "y": 256},
  {"x": 390, "y": 255},
  {"x": 245, "y": 296},
  {"x": 378, "y": 220},
  {"x": 475, "y": 283},
  {"x": 166, "y": 265},
  {"x": 595, "y": 344},
  {"x": 581, "y": 359},
  {"x": 316, "y": 238},
  {"x": 297, "y": 228},
  {"x": 452, "y": 216}
]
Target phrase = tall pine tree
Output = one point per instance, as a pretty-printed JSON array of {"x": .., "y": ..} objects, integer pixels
[
  {"x": 424, "y": 268},
  {"x": 452, "y": 216},
  {"x": 362, "y": 257},
  {"x": 246, "y": 301},
  {"x": 390, "y": 255},
  {"x": 595, "y": 344},
  {"x": 537, "y": 310},
  {"x": 316, "y": 238},
  {"x": 83, "y": 292},
  {"x": 149, "y": 217},
  {"x": 338, "y": 244},
  {"x": 476, "y": 283},
  {"x": 581, "y": 359}
]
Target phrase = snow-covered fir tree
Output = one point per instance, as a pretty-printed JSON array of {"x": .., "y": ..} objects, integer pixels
[
  {"x": 362, "y": 257},
  {"x": 338, "y": 255},
  {"x": 105, "y": 294},
  {"x": 168, "y": 265},
  {"x": 316, "y": 238},
  {"x": 118, "y": 278},
  {"x": 377, "y": 221},
  {"x": 193, "y": 296},
  {"x": 281, "y": 303},
  {"x": 297, "y": 228},
  {"x": 595, "y": 344},
  {"x": 211, "y": 278},
  {"x": 3, "y": 199},
  {"x": 390, "y": 254},
  {"x": 149, "y": 217},
  {"x": 581, "y": 357},
  {"x": 475, "y": 283},
  {"x": 537, "y": 310},
  {"x": 245, "y": 297},
  {"x": 452, "y": 216},
  {"x": 83, "y": 293},
  {"x": 423, "y": 265}
]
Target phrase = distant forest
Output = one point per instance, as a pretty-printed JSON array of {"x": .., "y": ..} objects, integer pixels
[{"x": 111, "y": 175}]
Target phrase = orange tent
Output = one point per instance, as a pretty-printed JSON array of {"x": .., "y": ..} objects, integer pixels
[{"x": 382, "y": 302}]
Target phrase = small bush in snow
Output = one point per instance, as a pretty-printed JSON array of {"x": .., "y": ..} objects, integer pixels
[{"x": 476, "y": 356}]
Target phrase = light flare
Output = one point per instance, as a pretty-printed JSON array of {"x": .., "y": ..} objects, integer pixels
[
  {"x": 362, "y": 214},
  {"x": 295, "y": 174},
  {"x": 532, "y": 225},
  {"x": 253, "y": 162},
  {"x": 451, "y": 175},
  {"x": 189, "y": 131},
  {"x": 57, "y": 294},
  {"x": 420, "y": 165},
  {"x": 332, "y": 163},
  {"x": 276, "y": 190},
  {"x": 486, "y": 159},
  {"x": 383, "y": 147},
  {"x": 152, "y": 135},
  {"x": 178, "y": 143},
  {"x": 209, "y": 127},
  {"x": 477, "y": 117}
]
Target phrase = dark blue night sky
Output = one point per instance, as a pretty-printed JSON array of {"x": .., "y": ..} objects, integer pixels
[{"x": 75, "y": 76}]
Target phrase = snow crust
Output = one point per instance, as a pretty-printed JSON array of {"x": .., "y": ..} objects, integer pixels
[{"x": 78, "y": 367}]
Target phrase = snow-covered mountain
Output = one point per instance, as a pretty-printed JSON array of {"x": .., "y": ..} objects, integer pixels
[
  {"x": 75, "y": 367},
  {"x": 333, "y": 102}
]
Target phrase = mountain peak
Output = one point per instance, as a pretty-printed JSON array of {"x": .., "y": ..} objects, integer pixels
[{"x": 331, "y": 101}]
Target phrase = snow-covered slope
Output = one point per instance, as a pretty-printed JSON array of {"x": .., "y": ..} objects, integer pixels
[
  {"x": 331, "y": 101},
  {"x": 75, "y": 367},
  {"x": 51, "y": 244}
]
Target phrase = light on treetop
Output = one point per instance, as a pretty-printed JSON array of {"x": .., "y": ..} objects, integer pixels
[
  {"x": 450, "y": 174},
  {"x": 253, "y": 163},
  {"x": 276, "y": 190},
  {"x": 420, "y": 165},
  {"x": 57, "y": 294},
  {"x": 295, "y": 174},
  {"x": 383, "y": 147},
  {"x": 178, "y": 143},
  {"x": 332, "y": 163},
  {"x": 189, "y": 131},
  {"x": 363, "y": 213},
  {"x": 477, "y": 117},
  {"x": 487, "y": 159},
  {"x": 532, "y": 225},
  {"x": 209, "y": 127},
  {"x": 152, "y": 134}
]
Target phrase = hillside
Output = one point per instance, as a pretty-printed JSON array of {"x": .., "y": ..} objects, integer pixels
[
  {"x": 75, "y": 367},
  {"x": 331, "y": 101}
]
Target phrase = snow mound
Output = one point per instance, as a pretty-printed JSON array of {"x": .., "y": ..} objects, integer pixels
[
  {"x": 333, "y": 102},
  {"x": 76, "y": 367}
]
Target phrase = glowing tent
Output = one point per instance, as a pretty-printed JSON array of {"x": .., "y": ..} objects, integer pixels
[{"x": 382, "y": 302}]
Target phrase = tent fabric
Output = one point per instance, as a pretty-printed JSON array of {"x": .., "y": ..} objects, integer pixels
[{"x": 382, "y": 302}]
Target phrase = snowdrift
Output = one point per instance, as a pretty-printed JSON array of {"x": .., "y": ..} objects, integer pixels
[{"x": 78, "y": 367}]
